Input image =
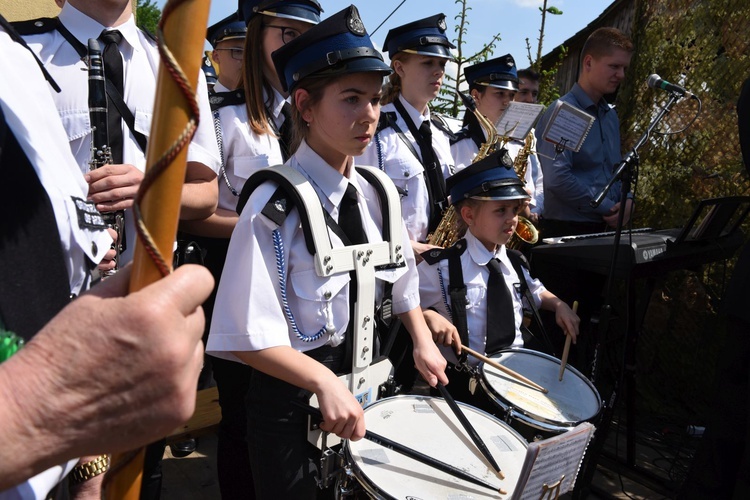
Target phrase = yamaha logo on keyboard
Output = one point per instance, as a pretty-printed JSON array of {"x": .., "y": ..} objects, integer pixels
[{"x": 650, "y": 253}]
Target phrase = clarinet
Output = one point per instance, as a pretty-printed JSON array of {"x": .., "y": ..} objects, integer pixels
[{"x": 101, "y": 153}]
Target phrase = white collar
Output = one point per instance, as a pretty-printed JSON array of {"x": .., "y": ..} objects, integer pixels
[
  {"x": 416, "y": 117},
  {"x": 330, "y": 182},
  {"x": 479, "y": 252}
]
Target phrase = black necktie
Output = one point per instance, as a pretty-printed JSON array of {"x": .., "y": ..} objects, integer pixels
[
  {"x": 350, "y": 219},
  {"x": 285, "y": 131},
  {"x": 433, "y": 172},
  {"x": 501, "y": 322},
  {"x": 113, "y": 72}
]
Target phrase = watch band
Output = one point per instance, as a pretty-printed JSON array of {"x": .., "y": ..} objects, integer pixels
[{"x": 85, "y": 471}]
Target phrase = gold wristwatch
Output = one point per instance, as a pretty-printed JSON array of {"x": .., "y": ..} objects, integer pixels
[{"x": 85, "y": 471}]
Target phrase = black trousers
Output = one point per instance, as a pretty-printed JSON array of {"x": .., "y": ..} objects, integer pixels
[
  {"x": 232, "y": 382},
  {"x": 284, "y": 464}
]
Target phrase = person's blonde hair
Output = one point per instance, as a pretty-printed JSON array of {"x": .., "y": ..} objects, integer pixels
[
  {"x": 393, "y": 87},
  {"x": 461, "y": 225}
]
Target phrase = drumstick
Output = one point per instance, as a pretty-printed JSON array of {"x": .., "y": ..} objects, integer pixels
[
  {"x": 469, "y": 429},
  {"x": 504, "y": 369},
  {"x": 566, "y": 349},
  {"x": 409, "y": 452}
]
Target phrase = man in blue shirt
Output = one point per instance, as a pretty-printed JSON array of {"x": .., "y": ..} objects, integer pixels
[{"x": 572, "y": 180}]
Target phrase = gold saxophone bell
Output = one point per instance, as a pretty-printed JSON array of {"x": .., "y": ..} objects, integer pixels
[
  {"x": 447, "y": 232},
  {"x": 525, "y": 234}
]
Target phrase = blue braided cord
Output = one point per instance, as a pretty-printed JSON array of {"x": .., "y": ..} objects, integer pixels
[
  {"x": 278, "y": 246},
  {"x": 445, "y": 295},
  {"x": 379, "y": 147}
]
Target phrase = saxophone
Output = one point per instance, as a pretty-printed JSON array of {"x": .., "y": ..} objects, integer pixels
[
  {"x": 101, "y": 153},
  {"x": 447, "y": 232},
  {"x": 526, "y": 233}
]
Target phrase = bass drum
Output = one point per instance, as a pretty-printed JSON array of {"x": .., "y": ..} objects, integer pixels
[
  {"x": 428, "y": 425},
  {"x": 531, "y": 412}
]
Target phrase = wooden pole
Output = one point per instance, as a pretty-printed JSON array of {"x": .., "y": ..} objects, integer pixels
[{"x": 182, "y": 31}]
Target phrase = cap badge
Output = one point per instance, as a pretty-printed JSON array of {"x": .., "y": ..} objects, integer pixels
[
  {"x": 441, "y": 24},
  {"x": 355, "y": 24},
  {"x": 505, "y": 159}
]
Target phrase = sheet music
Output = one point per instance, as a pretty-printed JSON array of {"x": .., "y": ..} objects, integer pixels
[
  {"x": 548, "y": 460},
  {"x": 517, "y": 120},
  {"x": 568, "y": 126}
]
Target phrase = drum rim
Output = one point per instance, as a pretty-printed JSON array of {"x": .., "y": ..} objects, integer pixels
[
  {"x": 369, "y": 485},
  {"x": 527, "y": 417}
]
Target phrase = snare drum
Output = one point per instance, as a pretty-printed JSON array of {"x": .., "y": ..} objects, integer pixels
[
  {"x": 428, "y": 425},
  {"x": 568, "y": 403}
]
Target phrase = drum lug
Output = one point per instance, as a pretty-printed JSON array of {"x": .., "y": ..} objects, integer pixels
[
  {"x": 389, "y": 388},
  {"x": 331, "y": 467},
  {"x": 347, "y": 485}
]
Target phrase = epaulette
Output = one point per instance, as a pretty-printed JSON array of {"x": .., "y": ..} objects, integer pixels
[
  {"x": 437, "y": 254},
  {"x": 219, "y": 100},
  {"x": 460, "y": 135},
  {"x": 440, "y": 123},
  {"x": 386, "y": 119},
  {"x": 278, "y": 207},
  {"x": 35, "y": 26}
]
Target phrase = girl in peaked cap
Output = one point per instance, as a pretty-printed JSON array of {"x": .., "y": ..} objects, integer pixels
[
  {"x": 251, "y": 122},
  {"x": 412, "y": 145},
  {"x": 277, "y": 312}
]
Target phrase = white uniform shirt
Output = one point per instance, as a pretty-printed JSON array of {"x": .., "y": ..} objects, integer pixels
[
  {"x": 31, "y": 115},
  {"x": 249, "y": 314},
  {"x": 434, "y": 281},
  {"x": 389, "y": 153},
  {"x": 466, "y": 149},
  {"x": 245, "y": 151},
  {"x": 140, "y": 66}
]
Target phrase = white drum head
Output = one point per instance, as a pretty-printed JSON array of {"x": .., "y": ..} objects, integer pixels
[
  {"x": 428, "y": 425},
  {"x": 568, "y": 402}
]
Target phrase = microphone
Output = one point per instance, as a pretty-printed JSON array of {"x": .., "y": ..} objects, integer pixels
[{"x": 656, "y": 82}]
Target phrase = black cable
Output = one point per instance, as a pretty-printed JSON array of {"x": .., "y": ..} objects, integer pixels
[{"x": 389, "y": 16}]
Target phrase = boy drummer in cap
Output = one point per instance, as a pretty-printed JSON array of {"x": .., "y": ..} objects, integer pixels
[
  {"x": 487, "y": 197},
  {"x": 277, "y": 311}
]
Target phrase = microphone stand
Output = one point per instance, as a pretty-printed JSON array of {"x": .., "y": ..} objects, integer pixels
[{"x": 624, "y": 173}]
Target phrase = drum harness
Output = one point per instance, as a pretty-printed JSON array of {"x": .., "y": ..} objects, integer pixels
[{"x": 369, "y": 379}]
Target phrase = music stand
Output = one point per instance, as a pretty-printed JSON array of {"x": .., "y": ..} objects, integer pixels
[{"x": 715, "y": 218}]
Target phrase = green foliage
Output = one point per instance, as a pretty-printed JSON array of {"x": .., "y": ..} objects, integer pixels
[
  {"x": 448, "y": 102},
  {"x": 548, "y": 89},
  {"x": 553, "y": 10},
  {"x": 703, "y": 46},
  {"x": 147, "y": 15}
]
